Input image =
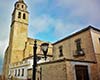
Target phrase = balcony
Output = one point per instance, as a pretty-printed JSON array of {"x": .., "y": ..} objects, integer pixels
[{"x": 78, "y": 53}]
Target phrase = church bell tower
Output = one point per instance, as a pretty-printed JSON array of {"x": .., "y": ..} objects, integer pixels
[{"x": 19, "y": 31}]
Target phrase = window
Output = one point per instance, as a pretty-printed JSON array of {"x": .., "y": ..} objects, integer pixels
[
  {"x": 38, "y": 78},
  {"x": 24, "y": 16},
  {"x": 99, "y": 39},
  {"x": 22, "y": 72},
  {"x": 17, "y": 5},
  {"x": 38, "y": 58},
  {"x": 19, "y": 15},
  {"x": 15, "y": 72},
  {"x": 79, "y": 51},
  {"x": 78, "y": 44},
  {"x": 30, "y": 55},
  {"x": 60, "y": 51},
  {"x": 22, "y": 6},
  {"x": 18, "y": 72}
]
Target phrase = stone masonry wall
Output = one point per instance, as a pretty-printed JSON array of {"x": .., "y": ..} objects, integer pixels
[{"x": 53, "y": 71}]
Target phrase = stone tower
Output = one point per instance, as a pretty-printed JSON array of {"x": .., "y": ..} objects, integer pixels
[{"x": 19, "y": 31}]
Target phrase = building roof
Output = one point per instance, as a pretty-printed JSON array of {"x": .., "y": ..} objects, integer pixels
[
  {"x": 31, "y": 39},
  {"x": 20, "y": 1},
  {"x": 76, "y": 33}
]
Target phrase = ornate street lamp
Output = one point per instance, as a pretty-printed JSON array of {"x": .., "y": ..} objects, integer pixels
[{"x": 44, "y": 48}]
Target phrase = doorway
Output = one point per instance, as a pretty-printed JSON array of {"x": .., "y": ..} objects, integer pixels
[{"x": 81, "y": 72}]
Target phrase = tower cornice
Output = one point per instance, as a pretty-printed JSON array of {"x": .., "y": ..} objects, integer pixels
[{"x": 19, "y": 22}]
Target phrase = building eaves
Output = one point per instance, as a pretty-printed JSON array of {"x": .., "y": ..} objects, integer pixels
[{"x": 76, "y": 33}]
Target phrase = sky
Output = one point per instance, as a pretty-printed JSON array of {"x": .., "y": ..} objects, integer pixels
[{"x": 50, "y": 20}]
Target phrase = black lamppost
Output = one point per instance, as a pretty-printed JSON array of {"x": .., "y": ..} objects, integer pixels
[
  {"x": 44, "y": 48},
  {"x": 34, "y": 61}
]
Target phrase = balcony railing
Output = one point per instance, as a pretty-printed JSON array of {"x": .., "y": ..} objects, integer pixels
[
  {"x": 22, "y": 63},
  {"x": 79, "y": 53}
]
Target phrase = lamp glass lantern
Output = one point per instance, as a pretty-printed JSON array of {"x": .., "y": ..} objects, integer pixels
[{"x": 44, "y": 48}]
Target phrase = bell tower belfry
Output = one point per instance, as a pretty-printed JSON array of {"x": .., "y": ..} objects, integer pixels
[{"x": 19, "y": 31}]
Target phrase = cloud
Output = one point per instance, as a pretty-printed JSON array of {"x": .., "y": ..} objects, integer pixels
[
  {"x": 65, "y": 29},
  {"x": 87, "y": 10},
  {"x": 40, "y": 24},
  {"x": 59, "y": 29},
  {"x": 35, "y": 2},
  {"x": 6, "y": 10},
  {"x": 35, "y": 5},
  {"x": 3, "y": 46}
]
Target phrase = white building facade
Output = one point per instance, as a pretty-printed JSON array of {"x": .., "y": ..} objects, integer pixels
[{"x": 20, "y": 70}]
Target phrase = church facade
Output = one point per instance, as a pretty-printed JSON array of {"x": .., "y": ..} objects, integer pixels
[
  {"x": 20, "y": 45},
  {"x": 76, "y": 57}
]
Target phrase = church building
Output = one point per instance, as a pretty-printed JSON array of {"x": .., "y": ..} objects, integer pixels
[
  {"x": 76, "y": 57},
  {"x": 20, "y": 45}
]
